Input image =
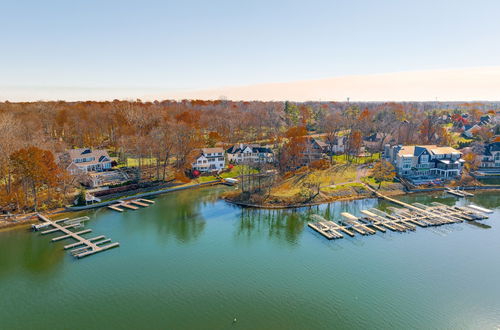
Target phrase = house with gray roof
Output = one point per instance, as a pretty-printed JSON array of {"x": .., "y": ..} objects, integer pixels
[
  {"x": 249, "y": 153},
  {"x": 490, "y": 160},
  {"x": 86, "y": 160}
]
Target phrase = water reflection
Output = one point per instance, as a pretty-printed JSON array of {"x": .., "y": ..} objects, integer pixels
[
  {"x": 32, "y": 253},
  {"x": 281, "y": 225}
]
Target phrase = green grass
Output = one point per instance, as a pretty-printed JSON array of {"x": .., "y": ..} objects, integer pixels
[
  {"x": 371, "y": 181},
  {"x": 341, "y": 159},
  {"x": 134, "y": 162},
  {"x": 343, "y": 187}
]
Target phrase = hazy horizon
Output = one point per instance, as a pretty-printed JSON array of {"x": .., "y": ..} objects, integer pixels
[
  {"x": 97, "y": 50},
  {"x": 468, "y": 84}
]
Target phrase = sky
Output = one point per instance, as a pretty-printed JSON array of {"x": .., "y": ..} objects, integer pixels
[{"x": 106, "y": 49}]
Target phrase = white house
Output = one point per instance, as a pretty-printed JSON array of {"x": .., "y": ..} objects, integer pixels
[
  {"x": 209, "y": 160},
  {"x": 246, "y": 153},
  {"x": 490, "y": 160},
  {"x": 426, "y": 160},
  {"x": 87, "y": 160}
]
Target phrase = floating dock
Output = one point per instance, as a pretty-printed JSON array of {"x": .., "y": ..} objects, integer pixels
[
  {"x": 86, "y": 246},
  {"x": 399, "y": 220},
  {"x": 130, "y": 204},
  {"x": 459, "y": 193}
]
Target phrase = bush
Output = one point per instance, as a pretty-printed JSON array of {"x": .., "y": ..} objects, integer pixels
[{"x": 321, "y": 164}]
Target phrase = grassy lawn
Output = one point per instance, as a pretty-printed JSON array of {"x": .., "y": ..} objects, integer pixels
[
  {"x": 134, "y": 162},
  {"x": 341, "y": 159},
  {"x": 337, "y": 173},
  {"x": 343, "y": 187},
  {"x": 371, "y": 181}
]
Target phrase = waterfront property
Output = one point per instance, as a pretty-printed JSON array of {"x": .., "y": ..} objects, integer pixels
[
  {"x": 314, "y": 150},
  {"x": 249, "y": 153},
  {"x": 490, "y": 159},
  {"x": 209, "y": 160},
  {"x": 88, "y": 160},
  {"x": 425, "y": 161}
]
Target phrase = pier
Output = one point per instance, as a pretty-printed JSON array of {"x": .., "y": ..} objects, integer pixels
[
  {"x": 132, "y": 204},
  {"x": 86, "y": 247},
  {"x": 404, "y": 219}
]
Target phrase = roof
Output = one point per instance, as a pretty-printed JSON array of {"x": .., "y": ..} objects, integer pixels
[
  {"x": 212, "y": 150},
  {"x": 238, "y": 148},
  {"x": 492, "y": 147},
  {"x": 444, "y": 150},
  {"x": 99, "y": 155},
  {"x": 407, "y": 151},
  {"x": 319, "y": 142}
]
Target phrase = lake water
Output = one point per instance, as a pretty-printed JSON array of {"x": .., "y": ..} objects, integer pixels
[{"x": 192, "y": 261}]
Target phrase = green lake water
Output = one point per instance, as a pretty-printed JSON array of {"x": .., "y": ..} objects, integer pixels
[{"x": 192, "y": 261}]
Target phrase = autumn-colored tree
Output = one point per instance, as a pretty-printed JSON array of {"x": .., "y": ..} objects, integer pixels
[
  {"x": 35, "y": 169},
  {"x": 382, "y": 171},
  {"x": 354, "y": 143}
]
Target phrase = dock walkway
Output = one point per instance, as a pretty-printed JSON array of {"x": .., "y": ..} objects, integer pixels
[
  {"x": 90, "y": 246},
  {"x": 400, "y": 220}
]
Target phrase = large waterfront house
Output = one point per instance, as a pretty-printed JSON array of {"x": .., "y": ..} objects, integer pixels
[
  {"x": 314, "y": 150},
  {"x": 86, "y": 160},
  {"x": 209, "y": 160},
  {"x": 247, "y": 153},
  {"x": 425, "y": 160},
  {"x": 490, "y": 159}
]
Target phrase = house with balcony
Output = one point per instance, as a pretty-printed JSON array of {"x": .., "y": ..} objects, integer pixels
[
  {"x": 248, "y": 153},
  {"x": 425, "y": 161},
  {"x": 87, "y": 160},
  {"x": 209, "y": 160},
  {"x": 490, "y": 159}
]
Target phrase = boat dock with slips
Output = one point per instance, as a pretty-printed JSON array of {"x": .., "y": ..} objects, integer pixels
[
  {"x": 84, "y": 247},
  {"x": 459, "y": 193},
  {"x": 403, "y": 219},
  {"x": 131, "y": 204}
]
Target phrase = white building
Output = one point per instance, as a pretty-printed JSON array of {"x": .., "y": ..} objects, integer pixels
[
  {"x": 87, "y": 160},
  {"x": 426, "y": 160},
  {"x": 209, "y": 160},
  {"x": 490, "y": 160},
  {"x": 245, "y": 153}
]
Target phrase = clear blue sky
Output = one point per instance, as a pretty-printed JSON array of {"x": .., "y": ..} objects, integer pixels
[{"x": 204, "y": 44}]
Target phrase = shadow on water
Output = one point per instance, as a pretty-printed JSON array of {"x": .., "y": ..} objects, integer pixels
[
  {"x": 34, "y": 255},
  {"x": 283, "y": 225}
]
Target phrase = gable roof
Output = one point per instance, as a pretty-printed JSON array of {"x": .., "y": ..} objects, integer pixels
[
  {"x": 212, "y": 150},
  {"x": 98, "y": 155},
  {"x": 408, "y": 151},
  {"x": 238, "y": 148},
  {"x": 492, "y": 147}
]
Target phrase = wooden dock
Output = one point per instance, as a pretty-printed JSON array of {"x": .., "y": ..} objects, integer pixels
[
  {"x": 130, "y": 204},
  {"x": 400, "y": 220},
  {"x": 90, "y": 246}
]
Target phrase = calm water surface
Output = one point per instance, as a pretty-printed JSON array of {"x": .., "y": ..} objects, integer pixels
[{"x": 192, "y": 261}]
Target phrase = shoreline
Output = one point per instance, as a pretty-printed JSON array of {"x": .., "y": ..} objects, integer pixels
[
  {"x": 29, "y": 219},
  {"x": 351, "y": 198}
]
